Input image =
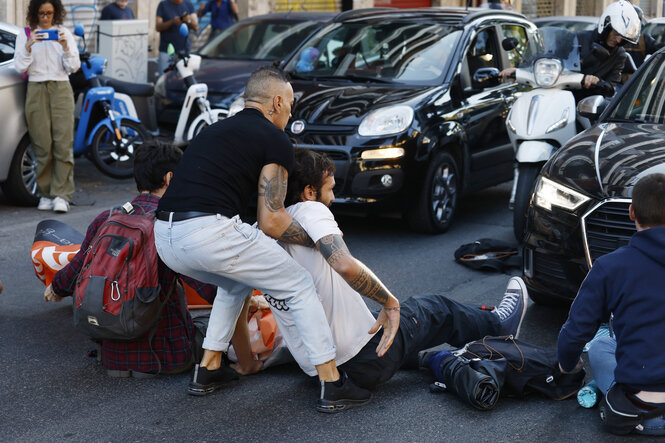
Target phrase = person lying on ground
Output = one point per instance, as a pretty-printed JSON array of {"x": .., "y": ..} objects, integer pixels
[{"x": 172, "y": 342}]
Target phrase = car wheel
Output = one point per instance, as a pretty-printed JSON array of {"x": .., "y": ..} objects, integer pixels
[
  {"x": 547, "y": 300},
  {"x": 436, "y": 205},
  {"x": 113, "y": 157},
  {"x": 525, "y": 181},
  {"x": 21, "y": 184}
]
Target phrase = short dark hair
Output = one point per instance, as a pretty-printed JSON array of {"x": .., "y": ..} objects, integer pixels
[
  {"x": 32, "y": 16},
  {"x": 258, "y": 85},
  {"x": 311, "y": 168},
  {"x": 649, "y": 200},
  {"x": 152, "y": 160}
]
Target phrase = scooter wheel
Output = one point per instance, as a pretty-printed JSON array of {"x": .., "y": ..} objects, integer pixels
[{"x": 113, "y": 156}]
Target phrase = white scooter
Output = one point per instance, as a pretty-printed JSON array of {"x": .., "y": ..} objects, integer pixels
[
  {"x": 544, "y": 118},
  {"x": 196, "y": 112}
]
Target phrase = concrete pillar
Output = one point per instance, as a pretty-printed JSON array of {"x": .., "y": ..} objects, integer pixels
[
  {"x": 601, "y": 5},
  {"x": 250, "y": 8},
  {"x": 13, "y": 11},
  {"x": 147, "y": 10},
  {"x": 565, "y": 7}
]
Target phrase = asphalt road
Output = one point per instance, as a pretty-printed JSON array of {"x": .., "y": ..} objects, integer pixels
[{"x": 52, "y": 391}]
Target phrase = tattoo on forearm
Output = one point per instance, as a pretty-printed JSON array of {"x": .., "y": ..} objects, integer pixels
[
  {"x": 273, "y": 190},
  {"x": 332, "y": 247},
  {"x": 295, "y": 234},
  {"x": 367, "y": 284}
]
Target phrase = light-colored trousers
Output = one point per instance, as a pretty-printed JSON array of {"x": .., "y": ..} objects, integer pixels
[
  {"x": 49, "y": 111},
  {"x": 237, "y": 258}
]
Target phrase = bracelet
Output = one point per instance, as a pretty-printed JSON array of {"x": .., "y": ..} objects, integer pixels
[{"x": 394, "y": 308}]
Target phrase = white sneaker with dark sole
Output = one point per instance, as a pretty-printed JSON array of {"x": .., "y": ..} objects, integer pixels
[
  {"x": 45, "y": 204},
  {"x": 60, "y": 205},
  {"x": 512, "y": 309}
]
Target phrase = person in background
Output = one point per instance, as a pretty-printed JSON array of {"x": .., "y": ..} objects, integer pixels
[
  {"x": 170, "y": 15},
  {"x": 48, "y": 59},
  {"x": 223, "y": 14},
  {"x": 117, "y": 11}
]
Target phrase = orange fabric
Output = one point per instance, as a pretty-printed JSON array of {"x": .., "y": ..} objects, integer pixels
[{"x": 48, "y": 258}]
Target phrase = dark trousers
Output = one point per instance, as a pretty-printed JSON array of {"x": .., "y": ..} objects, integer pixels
[{"x": 425, "y": 321}]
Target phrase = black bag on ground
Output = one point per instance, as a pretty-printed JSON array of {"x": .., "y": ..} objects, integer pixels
[
  {"x": 489, "y": 255},
  {"x": 517, "y": 369},
  {"x": 620, "y": 416}
]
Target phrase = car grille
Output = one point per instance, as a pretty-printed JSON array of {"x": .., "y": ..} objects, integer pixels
[
  {"x": 548, "y": 267},
  {"x": 607, "y": 227}
]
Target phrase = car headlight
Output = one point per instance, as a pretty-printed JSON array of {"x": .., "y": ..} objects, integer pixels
[
  {"x": 561, "y": 123},
  {"x": 546, "y": 71},
  {"x": 237, "y": 106},
  {"x": 382, "y": 154},
  {"x": 386, "y": 121},
  {"x": 549, "y": 193}
]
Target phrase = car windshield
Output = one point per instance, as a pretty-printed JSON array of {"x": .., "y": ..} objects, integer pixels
[
  {"x": 556, "y": 43},
  {"x": 644, "y": 99},
  {"x": 655, "y": 30},
  {"x": 259, "y": 40},
  {"x": 403, "y": 52}
]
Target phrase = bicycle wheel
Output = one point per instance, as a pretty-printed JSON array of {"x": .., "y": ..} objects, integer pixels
[{"x": 114, "y": 157}]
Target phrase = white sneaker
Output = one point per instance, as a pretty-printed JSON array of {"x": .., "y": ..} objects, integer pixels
[
  {"x": 45, "y": 204},
  {"x": 60, "y": 205}
]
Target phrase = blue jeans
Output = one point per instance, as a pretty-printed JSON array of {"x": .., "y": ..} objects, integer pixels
[
  {"x": 237, "y": 258},
  {"x": 603, "y": 363}
]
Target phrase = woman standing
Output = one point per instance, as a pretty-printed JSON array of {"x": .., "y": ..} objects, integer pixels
[{"x": 49, "y": 58}]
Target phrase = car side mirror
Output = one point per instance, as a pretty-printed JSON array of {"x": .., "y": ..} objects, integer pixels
[
  {"x": 508, "y": 44},
  {"x": 485, "y": 78},
  {"x": 591, "y": 107}
]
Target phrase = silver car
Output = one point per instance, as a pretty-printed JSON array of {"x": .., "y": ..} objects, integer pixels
[{"x": 18, "y": 165}]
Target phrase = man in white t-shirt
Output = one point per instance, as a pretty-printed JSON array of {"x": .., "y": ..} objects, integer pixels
[{"x": 340, "y": 280}]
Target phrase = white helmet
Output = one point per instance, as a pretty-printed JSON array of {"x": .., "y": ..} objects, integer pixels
[{"x": 621, "y": 17}]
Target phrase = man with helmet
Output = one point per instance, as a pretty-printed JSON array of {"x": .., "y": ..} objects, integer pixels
[
  {"x": 645, "y": 45},
  {"x": 602, "y": 52}
]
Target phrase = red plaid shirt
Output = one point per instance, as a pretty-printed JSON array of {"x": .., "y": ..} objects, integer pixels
[{"x": 172, "y": 342}]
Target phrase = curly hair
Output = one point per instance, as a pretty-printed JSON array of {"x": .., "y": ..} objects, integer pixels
[
  {"x": 152, "y": 160},
  {"x": 311, "y": 168},
  {"x": 32, "y": 17}
]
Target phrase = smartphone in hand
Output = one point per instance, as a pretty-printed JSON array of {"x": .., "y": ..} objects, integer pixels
[{"x": 50, "y": 34}]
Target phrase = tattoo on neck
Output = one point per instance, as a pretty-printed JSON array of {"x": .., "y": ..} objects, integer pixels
[{"x": 271, "y": 112}]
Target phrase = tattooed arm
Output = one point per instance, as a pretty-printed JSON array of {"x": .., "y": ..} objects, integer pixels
[
  {"x": 363, "y": 281},
  {"x": 272, "y": 217}
]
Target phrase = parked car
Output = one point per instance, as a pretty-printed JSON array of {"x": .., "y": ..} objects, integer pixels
[
  {"x": 18, "y": 165},
  {"x": 232, "y": 56},
  {"x": 571, "y": 23},
  {"x": 579, "y": 208},
  {"x": 409, "y": 106}
]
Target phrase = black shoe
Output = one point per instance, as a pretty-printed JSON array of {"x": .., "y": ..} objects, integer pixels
[
  {"x": 340, "y": 395},
  {"x": 204, "y": 381}
]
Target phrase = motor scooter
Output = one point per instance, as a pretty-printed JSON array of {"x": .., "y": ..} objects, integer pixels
[
  {"x": 107, "y": 128},
  {"x": 543, "y": 119}
]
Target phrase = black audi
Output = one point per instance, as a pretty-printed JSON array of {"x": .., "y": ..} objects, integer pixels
[
  {"x": 407, "y": 104},
  {"x": 579, "y": 208}
]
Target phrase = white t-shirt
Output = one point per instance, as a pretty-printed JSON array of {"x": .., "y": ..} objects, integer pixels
[{"x": 347, "y": 314}]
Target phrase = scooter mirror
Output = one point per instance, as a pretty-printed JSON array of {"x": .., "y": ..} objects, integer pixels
[
  {"x": 170, "y": 49},
  {"x": 184, "y": 30},
  {"x": 508, "y": 44},
  {"x": 79, "y": 30}
]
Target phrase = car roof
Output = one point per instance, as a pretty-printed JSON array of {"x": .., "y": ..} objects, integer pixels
[
  {"x": 657, "y": 21},
  {"x": 565, "y": 18},
  {"x": 9, "y": 27},
  {"x": 439, "y": 14},
  {"x": 295, "y": 15}
]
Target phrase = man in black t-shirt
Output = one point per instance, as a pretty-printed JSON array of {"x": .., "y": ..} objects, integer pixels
[{"x": 199, "y": 233}]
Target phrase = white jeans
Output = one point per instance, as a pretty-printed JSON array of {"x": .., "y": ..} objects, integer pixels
[{"x": 237, "y": 257}]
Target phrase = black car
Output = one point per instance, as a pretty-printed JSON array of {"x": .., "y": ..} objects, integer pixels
[
  {"x": 232, "y": 56},
  {"x": 408, "y": 105},
  {"x": 579, "y": 209}
]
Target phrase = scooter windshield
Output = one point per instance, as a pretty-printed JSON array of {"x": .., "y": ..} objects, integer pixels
[{"x": 554, "y": 42}]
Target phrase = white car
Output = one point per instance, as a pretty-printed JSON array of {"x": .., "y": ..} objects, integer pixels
[{"x": 18, "y": 164}]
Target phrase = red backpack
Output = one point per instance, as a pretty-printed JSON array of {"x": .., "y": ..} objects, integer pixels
[{"x": 116, "y": 295}]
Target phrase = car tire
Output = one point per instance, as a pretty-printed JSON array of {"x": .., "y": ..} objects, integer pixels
[
  {"x": 435, "y": 207},
  {"x": 107, "y": 157},
  {"x": 525, "y": 182},
  {"x": 21, "y": 184}
]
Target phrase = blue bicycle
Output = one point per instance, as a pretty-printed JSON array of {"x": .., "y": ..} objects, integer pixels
[{"x": 107, "y": 130}]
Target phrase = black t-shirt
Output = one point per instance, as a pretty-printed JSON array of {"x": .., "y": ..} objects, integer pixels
[
  {"x": 115, "y": 12},
  {"x": 220, "y": 169},
  {"x": 168, "y": 10}
]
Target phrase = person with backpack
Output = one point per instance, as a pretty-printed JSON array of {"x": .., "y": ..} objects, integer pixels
[
  {"x": 47, "y": 52},
  {"x": 167, "y": 348},
  {"x": 627, "y": 286},
  {"x": 341, "y": 282}
]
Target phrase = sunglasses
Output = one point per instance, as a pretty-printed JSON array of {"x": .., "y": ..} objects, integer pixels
[{"x": 45, "y": 13}]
